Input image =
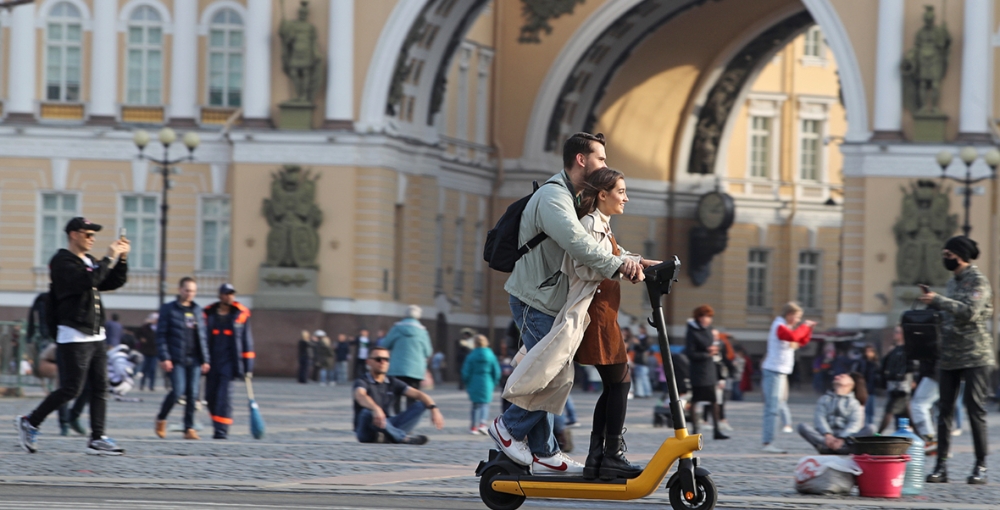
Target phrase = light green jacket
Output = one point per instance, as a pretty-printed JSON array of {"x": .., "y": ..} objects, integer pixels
[{"x": 537, "y": 280}]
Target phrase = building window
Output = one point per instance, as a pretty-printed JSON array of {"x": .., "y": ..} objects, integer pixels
[
  {"x": 757, "y": 279},
  {"x": 810, "y": 150},
  {"x": 809, "y": 279},
  {"x": 215, "y": 234},
  {"x": 144, "y": 71},
  {"x": 760, "y": 146},
  {"x": 139, "y": 217},
  {"x": 814, "y": 46},
  {"x": 225, "y": 59},
  {"x": 63, "y": 47},
  {"x": 57, "y": 210}
]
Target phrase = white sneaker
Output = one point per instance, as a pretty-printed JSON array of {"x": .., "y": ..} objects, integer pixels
[
  {"x": 725, "y": 427},
  {"x": 770, "y": 448},
  {"x": 558, "y": 464},
  {"x": 515, "y": 450},
  {"x": 956, "y": 432},
  {"x": 787, "y": 429}
]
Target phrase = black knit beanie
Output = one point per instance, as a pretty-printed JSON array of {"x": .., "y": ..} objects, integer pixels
[{"x": 963, "y": 247}]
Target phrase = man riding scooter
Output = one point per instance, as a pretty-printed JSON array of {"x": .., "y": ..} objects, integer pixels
[{"x": 230, "y": 345}]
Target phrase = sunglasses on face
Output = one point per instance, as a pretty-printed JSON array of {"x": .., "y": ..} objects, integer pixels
[
  {"x": 380, "y": 360},
  {"x": 88, "y": 235}
]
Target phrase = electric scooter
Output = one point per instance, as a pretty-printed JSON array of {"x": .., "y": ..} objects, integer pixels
[{"x": 504, "y": 484}]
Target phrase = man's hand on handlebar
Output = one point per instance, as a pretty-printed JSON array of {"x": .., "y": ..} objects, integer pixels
[
  {"x": 631, "y": 270},
  {"x": 649, "y": 263}
]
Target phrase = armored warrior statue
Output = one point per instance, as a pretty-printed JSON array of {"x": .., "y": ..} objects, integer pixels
[
  {"x": 293, "y": 216},
  {"x": 300, "y": 54},
  {"x": 926, "y": 64}
]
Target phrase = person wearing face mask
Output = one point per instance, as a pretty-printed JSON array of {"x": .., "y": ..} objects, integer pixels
[{"x": 965, "y": 353}]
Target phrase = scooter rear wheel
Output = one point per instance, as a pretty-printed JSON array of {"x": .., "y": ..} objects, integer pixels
[
  {"x": 705, "y": 498},
  {"x": 493, "y": 499}
]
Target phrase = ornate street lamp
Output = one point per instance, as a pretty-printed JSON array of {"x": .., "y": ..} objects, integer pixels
[
  {"x": 968, "y": 155},
  {"x": 164, "y": 167}
]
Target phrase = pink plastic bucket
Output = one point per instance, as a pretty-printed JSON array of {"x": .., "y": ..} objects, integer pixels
[{"x": 882, "y": 475}]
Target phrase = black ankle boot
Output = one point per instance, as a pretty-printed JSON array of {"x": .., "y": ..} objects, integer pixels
[
  {"x": 592, "y": 468},
  {"x": 718, "y": 434},
  {"x": 978, "y": 476},
  {"x": 940, "y": 474},
  {"x": 615, "y": 465}
]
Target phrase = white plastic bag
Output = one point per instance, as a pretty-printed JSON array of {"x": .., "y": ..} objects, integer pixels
[{"x": 825, "y": 474}]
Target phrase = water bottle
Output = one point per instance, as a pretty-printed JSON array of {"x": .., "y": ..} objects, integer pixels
[{"x": 913, "y": 484}]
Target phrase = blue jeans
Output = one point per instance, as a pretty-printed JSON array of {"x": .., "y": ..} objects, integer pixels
[
  {"x": 640, "y": 381},
  {"x": 148, "y": 371},
  {"x": 536, "y": 426},
  {"x": 772, "y": 384},
  {"x": 185, "y": 380},
  {"x": 340, "y": 372},
  {"x": 870, "y": 409},
  {"x": 480, "y": 413},
  {"x": 326, "y": 375},
  {"x": 570, "y": 412},
  {"x": 396, "y": 427}
]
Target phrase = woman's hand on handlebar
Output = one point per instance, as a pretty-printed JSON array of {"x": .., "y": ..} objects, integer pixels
[
  {"x": 630, "y": 270},
  {"x": 649, "y": 263}
]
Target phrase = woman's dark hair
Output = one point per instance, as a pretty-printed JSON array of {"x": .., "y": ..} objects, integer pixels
[
  {"x": 604, "y": 179},
  {"x": 580, "y": 143},
  {"x": 860, "y": 388}
]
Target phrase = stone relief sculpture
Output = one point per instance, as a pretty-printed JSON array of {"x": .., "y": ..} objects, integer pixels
[
  {"x": 301, "y": 59},
  {"x": 921, "y": 230},
  {"x": 294, "y": 217},
  {"x": 537, "y": 14},
  {"x": 925, "y": 65}
]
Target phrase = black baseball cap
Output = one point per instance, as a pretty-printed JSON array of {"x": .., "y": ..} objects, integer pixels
[
  {"x": 81, "y": 223},
  {"x": 227, "y": 288}
]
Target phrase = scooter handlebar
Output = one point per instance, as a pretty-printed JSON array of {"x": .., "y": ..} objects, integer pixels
[{"x": 660, "y": 278}]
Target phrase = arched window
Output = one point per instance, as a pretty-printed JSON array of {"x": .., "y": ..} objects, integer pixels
[
  {"x": 144, "y": 60},
  {"x": 63, "y": 50},
  {"x": 225, "y": 59}
]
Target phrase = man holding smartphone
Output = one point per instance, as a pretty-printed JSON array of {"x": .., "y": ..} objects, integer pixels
[{"x": 77, "y": 313}]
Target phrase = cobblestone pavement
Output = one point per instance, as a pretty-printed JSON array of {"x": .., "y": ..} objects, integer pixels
[{"x": 309, "y": 446}]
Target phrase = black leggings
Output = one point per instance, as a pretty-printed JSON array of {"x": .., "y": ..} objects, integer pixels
[{"x": 609, "y": 415}]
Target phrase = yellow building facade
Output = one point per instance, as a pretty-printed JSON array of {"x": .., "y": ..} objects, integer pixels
[{"x": 434, "y": 115}]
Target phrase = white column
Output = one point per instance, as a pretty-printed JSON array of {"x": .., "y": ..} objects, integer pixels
[
  {"x": 976, "y": 66},
  {"x": 462, "y": 112},
  {"x": 184, "y": 63},
  {"x": 482, "y": 94},
  {"x": 104, "y": 58},
  {"x": 257, "y": 96},
  {"x": 340, "y": 63},
  {"x": 21, "y": 71},
  {"x": 888, "y": 57}
]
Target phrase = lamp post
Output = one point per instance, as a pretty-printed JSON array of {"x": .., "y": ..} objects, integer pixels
[
  {"x": 968, "y": 155},
  {"x": 164, "y": 167}
]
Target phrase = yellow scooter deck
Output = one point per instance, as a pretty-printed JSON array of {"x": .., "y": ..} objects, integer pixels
[{"x": 573, "y": 487}]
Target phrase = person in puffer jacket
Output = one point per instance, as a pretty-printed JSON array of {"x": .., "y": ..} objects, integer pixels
[
  {"x": 840, "y": 414},
  {"x": 409, "y": 346}
]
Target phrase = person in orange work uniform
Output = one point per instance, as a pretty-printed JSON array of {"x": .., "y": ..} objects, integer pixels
[{"x": 230, "y": 344}]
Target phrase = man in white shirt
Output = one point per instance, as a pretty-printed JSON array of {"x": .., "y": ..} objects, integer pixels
[{"x": 77, "y": 313}]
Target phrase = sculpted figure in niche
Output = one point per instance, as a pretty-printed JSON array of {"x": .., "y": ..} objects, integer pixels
[
  {"x": 300, "y": 55},
  {"x": 925, "y": 65},
  {"x": 921, "y": 231},
  {"x": 294, "y": 217}
]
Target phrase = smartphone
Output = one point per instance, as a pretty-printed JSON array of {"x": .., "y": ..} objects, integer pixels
[
  {"x": 924, "y": 288},
  {"x": 121, "y": 233}
]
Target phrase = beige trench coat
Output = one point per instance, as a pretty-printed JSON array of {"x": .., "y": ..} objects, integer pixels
[{"x": 542, "y": 380}]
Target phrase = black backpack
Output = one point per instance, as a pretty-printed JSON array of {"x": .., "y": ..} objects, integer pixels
[
  {"x": 501, "y": 250},
  {"x": 895, "y": 366}
]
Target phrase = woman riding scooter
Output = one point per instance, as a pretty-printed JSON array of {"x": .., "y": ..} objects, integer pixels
[{"x": 604, "y": 196}]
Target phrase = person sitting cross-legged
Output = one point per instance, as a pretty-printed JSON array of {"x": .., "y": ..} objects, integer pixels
[
  {"x": 374, "y": 392},
  {"x": 840, "y": 414}
]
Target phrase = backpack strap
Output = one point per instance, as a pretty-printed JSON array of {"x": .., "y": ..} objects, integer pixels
[{"x": 535, "y": 241}]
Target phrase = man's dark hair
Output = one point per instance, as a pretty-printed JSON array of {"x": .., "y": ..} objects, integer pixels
[
  {"x": 580, "y": 143},
  {"x": 184, "y": 281},
  {"x": 114, "y": 317},
  {"x": 377, "y": 348}
]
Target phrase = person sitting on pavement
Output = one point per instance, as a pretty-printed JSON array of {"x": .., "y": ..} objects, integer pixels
[
  {"x": 840, "y": 414},
  {"x": 374, "y": 393}
]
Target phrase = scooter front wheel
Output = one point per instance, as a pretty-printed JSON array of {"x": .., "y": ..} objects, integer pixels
[
  {"x": 493, "y": 499},
  {"x": 705, "y": 497}
]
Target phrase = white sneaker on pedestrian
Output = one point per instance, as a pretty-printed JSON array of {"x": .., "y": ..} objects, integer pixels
[
  {"x": 515, "y": 450},
  {"x": 787, "y": 429},
  {"x": 725, "y": 427},
  {"x": 770, "y": 448},
  {"x": 956, "y": 432},
  {"x": 558, "y": 464}
]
